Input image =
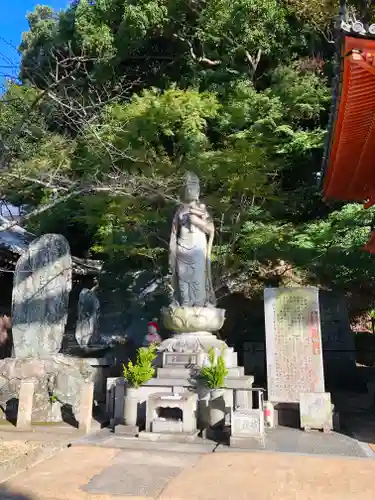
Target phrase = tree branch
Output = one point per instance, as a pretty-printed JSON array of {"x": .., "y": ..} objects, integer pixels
[{"x": 201, "y": 59}]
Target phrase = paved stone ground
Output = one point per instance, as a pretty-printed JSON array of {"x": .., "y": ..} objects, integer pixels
[
  {"x": 102, "y": 466},
  {"x": 97, "y": 473},
  {"x": 281, "y": 439}
]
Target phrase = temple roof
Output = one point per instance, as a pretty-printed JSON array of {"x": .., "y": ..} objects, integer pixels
[
  {"x": 350, "y": 160},
  {"x": 14, "y": 240}
]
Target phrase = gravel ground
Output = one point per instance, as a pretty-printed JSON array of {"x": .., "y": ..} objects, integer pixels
[{"x": 16, "y": 456}]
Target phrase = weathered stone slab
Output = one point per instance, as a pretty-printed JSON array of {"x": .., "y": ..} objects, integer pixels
[
  {"x": 25, "y": 404},
  {"x": 316, "y": 411},
  {"x": 87, "y": 329},
  {"x": 293, "y": 343},
  {"x": 41, "y": 286}
]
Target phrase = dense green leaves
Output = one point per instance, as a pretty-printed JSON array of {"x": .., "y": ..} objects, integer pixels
[{"x": 119, "y": 98}]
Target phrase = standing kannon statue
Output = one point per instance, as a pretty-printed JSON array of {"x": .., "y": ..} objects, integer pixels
[
  {"x": 192, "y": 315},
  {"x": 190, "y": 250}
]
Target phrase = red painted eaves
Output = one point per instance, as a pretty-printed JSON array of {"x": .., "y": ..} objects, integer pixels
[{"x": 350, "y": 174}]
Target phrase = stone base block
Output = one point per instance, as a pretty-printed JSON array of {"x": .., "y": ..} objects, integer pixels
[
  {"x": 126, "y": 430},
  {"x": 182, "y": 437},
  {"x": 247, "y": 442}
]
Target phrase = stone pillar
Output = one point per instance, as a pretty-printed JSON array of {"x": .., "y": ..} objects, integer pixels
[
  {"x": 119, "y": 407},
  {"x": 85, "y": 408},
  {"x": 25, "y": 404}
]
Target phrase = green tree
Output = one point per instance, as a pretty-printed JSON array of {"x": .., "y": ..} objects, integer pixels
[{"x": 117, "y": 100}]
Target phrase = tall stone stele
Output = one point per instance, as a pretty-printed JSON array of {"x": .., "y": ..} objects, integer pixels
[
  {"x": 192, "y": 314},
  {"x": 40, "y": 299},
  {"x": 41, "y": 287}
]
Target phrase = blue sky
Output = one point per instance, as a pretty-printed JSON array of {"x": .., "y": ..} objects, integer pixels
[{"x": 13, "y": 22}]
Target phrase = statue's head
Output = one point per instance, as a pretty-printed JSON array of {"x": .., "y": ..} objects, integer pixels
[{"x": 192, "y": 189}]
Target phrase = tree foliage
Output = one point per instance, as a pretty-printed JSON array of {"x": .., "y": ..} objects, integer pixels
[{"x": 117, "y": 99}]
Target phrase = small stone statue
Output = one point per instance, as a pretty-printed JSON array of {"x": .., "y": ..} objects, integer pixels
[
  {"x": 190, "y": 250},
  {"x": 87, "y": 329},
  {"x": 152, "y": 336}
]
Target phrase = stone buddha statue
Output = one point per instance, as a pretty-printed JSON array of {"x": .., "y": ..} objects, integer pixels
[{"x": 190, "y": 250}]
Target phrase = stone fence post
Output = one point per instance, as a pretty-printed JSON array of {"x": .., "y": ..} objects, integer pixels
[
  {"x": 25, "y": 404},
  {"x": 85, "y": 407}
]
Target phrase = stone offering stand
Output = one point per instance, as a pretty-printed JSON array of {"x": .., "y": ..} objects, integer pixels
[{"x": 187, "y": 408}]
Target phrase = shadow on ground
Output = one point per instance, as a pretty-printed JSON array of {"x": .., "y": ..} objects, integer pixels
[{"x": 6, "y": 494}]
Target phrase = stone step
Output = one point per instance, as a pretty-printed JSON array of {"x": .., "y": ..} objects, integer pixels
[{"x": 186, "y": 372}]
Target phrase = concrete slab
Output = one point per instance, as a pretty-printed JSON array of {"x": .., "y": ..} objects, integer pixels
[
  {"x": 140, "y": 473},
  {"x": 288, "y": 440},
  {"x": 132, "y": 480}
]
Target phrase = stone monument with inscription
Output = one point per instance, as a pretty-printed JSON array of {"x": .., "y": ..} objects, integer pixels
[
  {"x": 42, "y": 282},
  {"x": 41, "y": 287},
  {"x": 293, "y": 343},
  {"x": 293, "y": 348}
]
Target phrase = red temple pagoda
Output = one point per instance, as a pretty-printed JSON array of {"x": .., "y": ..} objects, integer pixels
[{"x": 349, "y": 161}]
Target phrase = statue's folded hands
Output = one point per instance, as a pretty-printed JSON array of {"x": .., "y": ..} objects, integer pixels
[{"x": 206, "y": 226}]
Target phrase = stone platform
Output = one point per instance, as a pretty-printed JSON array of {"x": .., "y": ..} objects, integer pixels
[{"x": 280, "y": 440}]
